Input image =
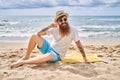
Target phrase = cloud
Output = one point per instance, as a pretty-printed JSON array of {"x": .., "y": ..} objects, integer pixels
[{"x": 25, "y": 4}]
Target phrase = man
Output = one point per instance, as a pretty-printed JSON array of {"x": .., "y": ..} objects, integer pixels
[{"x": 63, "y": 34}]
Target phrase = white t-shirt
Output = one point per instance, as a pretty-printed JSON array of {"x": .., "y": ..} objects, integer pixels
[{"x": 61, "y": 45}]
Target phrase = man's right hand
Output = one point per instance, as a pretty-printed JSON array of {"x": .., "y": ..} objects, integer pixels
[{"x": 52, "y": 25}]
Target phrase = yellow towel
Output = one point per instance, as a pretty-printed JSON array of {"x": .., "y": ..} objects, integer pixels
[{"x": 77, "y": 57}]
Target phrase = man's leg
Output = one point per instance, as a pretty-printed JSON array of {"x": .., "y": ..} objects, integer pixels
[
  {"x": 32, "y": 43},
  {"x": 35, "y": 60}
]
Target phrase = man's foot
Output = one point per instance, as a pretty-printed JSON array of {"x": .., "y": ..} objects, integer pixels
[{"x": 17, "y": 64}]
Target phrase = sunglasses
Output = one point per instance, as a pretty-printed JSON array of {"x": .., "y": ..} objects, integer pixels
[{"x": 61, "y": 20}]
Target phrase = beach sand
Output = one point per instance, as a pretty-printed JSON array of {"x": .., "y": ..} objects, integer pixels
[{"x": 109, "y": 69}]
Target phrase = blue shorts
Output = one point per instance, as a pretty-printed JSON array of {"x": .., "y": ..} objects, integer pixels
[{"x": 47, "y": 49}]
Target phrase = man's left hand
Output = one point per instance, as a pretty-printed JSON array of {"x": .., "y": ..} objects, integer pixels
[{"x": 86, "y": 60}]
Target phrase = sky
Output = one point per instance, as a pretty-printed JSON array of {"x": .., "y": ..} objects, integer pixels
[{"x": 49, "y": 7}]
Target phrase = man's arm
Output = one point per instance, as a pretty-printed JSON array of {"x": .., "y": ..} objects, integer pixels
[
  {"x": 43, "y": 31},
  {"x": 79, "y": 45}
]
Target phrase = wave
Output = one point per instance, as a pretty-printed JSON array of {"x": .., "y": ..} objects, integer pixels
[
  {"x": 6, "y": 22},
  {"x": 99, "y": 34},
  {"x": 16, "y": 35},
  {"x": 98, "y": 28},
  {"x": 81, "y": 34},
  {"x": 107, "y": 19},
  {"x": 85, "y": 30}
]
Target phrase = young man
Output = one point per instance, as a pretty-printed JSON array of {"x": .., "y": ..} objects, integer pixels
[{"x": 63, "y": 34}]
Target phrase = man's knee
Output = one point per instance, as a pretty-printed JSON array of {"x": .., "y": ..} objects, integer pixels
[
  {"x": 35, "y": 37},
  {"x": 38, "y": 40}
]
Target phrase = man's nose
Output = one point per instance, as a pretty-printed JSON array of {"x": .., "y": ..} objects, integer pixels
[{"x": 63, "y": 21}]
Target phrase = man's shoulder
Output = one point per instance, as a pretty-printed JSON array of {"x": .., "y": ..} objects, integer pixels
[{"x": 73, "y": 28}]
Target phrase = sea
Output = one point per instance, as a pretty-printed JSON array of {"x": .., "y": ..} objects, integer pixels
[{"x": 90, "y": 28}]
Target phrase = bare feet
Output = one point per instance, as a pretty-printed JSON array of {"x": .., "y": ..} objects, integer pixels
[{"x": 17, "y": 64}]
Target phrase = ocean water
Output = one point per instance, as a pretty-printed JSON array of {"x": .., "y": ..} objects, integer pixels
[{"x": 89, "y": 27}]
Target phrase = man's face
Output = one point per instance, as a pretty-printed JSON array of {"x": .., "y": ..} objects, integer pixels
[{"x": 62, "y": 22}]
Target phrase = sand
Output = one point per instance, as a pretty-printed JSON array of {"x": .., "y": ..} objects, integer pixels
[{"x": 108, "y": 69}]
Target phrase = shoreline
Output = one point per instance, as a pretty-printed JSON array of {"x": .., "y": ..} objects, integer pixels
[{"x": 84, "y": 41}]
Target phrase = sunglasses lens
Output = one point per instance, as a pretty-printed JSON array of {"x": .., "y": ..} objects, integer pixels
[
  {"x": 65, "y": 19},
  {"x": 60, "y": 20}
]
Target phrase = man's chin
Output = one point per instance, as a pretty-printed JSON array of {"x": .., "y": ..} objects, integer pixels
[{"x": 64, "y": 27}]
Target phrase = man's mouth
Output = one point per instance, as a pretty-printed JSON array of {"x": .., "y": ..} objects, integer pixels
[{"x": 64, "y": 24}]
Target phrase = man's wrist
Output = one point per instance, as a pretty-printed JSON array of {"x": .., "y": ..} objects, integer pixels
[
  {"x": 49, "y": 26},
  {"x": 84, "y": 57}
]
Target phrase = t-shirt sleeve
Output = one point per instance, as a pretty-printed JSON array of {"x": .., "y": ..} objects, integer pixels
[{"x": 75, "y": 35}]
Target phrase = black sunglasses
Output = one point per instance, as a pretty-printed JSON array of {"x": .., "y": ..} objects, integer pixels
[{"x": 61, "y": 20}]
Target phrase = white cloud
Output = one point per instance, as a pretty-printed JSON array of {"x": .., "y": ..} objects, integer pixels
[
  {"x": 25, "y": 4},
  {"x": 85, "y": 2},
  {"x": 110, "y": 1}
]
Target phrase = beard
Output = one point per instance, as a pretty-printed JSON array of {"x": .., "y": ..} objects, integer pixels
[{"x": 64, "y": 29}]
